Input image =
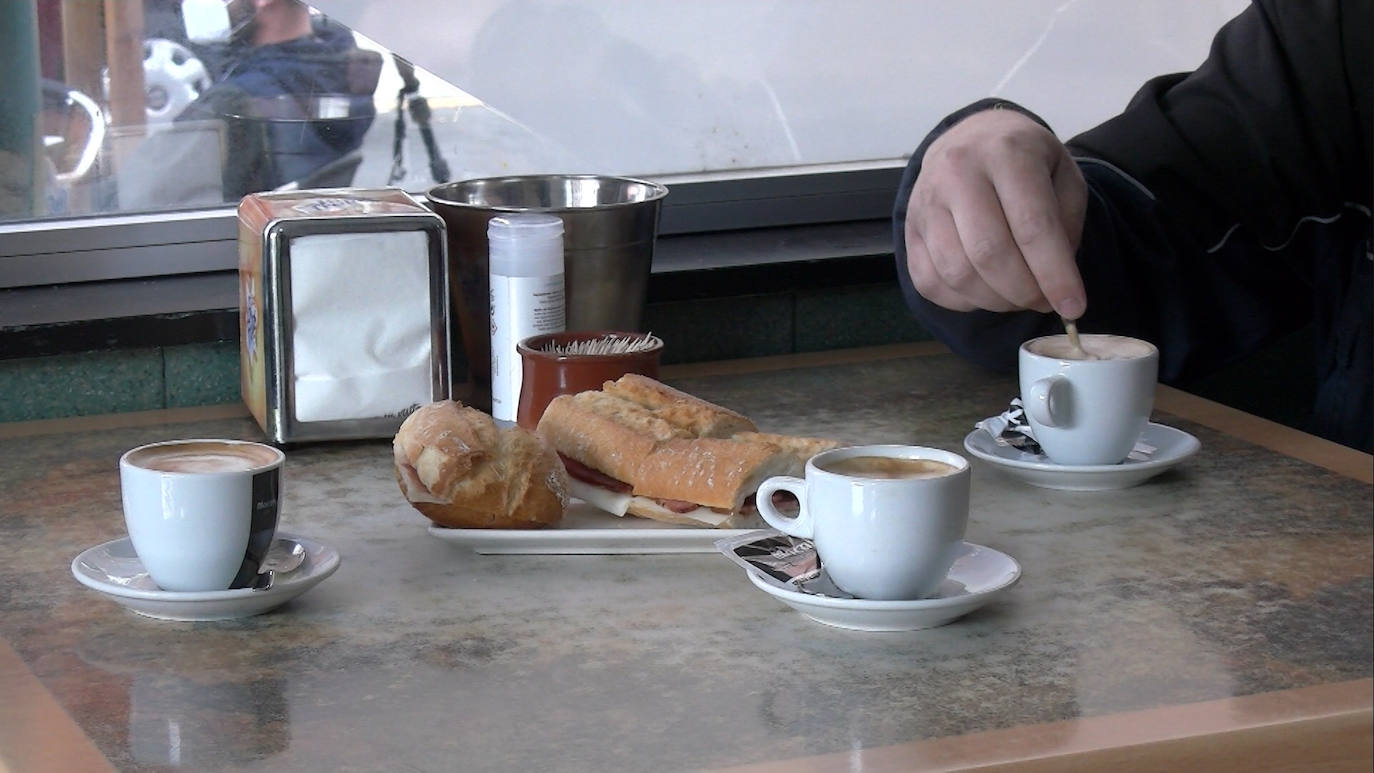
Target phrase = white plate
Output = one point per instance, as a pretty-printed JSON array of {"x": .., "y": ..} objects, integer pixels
[
  {"x": 979, "y": 575},
  {"x": 113, "y": 569},
  {"x": 1171, "y": 447},
  {"x": 588, "y": 530}
]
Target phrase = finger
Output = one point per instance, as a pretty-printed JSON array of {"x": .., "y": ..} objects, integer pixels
[
  {"x": 1035, "y": 219},
  {"x": 946, "y": 250},
  {"x": 1072, "y": 193},
  {"x": 926, "y": 279},
  {"x": 990, "y": 248}
]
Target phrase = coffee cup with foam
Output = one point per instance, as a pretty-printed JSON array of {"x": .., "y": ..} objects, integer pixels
[
  {"x": 887, "y": 520},
  {"x": 1087, "y": 405},
  {"x": 202, "y": 514}
]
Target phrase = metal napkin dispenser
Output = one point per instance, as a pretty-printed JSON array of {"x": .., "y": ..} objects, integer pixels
[{"x": 343, "y": 312}]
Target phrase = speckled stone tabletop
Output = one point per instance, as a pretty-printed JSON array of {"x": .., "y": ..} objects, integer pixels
[{"x": 1241, "y": 571}]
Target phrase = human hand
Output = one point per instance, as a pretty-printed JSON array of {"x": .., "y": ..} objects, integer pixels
[{"x": 995, "y": 218}]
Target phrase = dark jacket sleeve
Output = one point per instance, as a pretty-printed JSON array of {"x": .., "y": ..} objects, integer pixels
[{"x": 1202, "y": 194}]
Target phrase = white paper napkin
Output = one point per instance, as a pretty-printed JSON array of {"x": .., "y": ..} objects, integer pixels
[{"x": 361, "y": 322}]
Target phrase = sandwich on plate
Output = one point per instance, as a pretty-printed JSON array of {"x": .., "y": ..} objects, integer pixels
[{"x": 639, "y": 447}]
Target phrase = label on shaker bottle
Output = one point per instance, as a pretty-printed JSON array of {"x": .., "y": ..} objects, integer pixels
[{"x": 521, "y": 306}]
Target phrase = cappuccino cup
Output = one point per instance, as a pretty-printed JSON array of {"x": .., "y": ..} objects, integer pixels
[
  {"x": 201, "y": 514},
  {"x": 1088, "y": 407},
  {"x": 887, "y": 520}
]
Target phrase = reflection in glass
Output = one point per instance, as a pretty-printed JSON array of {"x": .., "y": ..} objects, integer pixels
[
  {"x": 289, "y": 102},
  {"x": 174, "y": 104}
]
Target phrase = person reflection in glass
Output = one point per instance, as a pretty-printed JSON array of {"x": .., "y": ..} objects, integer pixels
[{"x": 295, "y": 97}]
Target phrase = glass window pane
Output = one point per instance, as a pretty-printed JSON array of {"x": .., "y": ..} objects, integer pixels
[
  {"x": 724, "y": 87},
  {"x": 129, "y": 106},
  {"x": 141, "y": 106}
]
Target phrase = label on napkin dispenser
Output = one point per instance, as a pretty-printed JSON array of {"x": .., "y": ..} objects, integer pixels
[{"x": 343, "y": 311}]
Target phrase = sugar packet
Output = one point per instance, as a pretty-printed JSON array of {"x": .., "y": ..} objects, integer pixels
[{"x": 782, "y": 561}]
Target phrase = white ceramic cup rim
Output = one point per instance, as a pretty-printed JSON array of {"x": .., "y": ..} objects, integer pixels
[
  {"x": 1026, "y": 349},
  {"x": 891, "y": 450},
  {"x": 126, "y": 459}
]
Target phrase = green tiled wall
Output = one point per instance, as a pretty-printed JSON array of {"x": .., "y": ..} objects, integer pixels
[
  {"x": 200, "y": 374},
  {"x": 81, "y": 384},
  {"x": 118, "y": 381},
  {"x": 853, "y": 316},
  {"x": 696, "y": 331},
  {"x": 722, "y": 328}
]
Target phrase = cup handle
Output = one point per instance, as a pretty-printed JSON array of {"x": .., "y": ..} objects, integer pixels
[
  {"x": 1045, "y": 401},
  {"x": 801, "y": 526}
]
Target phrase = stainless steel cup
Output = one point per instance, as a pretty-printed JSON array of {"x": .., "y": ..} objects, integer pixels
[{"x": 609, "y": 228}]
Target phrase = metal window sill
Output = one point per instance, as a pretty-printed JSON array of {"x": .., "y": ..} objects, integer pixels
[{"x": 202, "y": 308}]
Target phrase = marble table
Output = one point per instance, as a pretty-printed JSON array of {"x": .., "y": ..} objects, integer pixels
[{"x": 1215, "y": 617}]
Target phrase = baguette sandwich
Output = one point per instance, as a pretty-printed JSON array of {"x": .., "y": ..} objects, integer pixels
[{"x": 639, "y": 447}]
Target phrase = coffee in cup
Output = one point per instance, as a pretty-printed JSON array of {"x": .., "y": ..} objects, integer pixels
[
  {"x": 887, "y": 520},
  {"x": 1088, "y": 411},
  {"x": 889, "y": 467},
  {"x": 1091, "y": 347},
  {"x": 203, "y": 457},
  {"x": 201, "y": 514}
]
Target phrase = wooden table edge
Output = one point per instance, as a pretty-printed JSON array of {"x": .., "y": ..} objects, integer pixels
[
  {"x": 1267, "y": 434},
  {"x": 36, "y": 733},
  {"x": 1325, "y": 727}
]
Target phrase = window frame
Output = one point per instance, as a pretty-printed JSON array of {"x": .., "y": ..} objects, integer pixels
[{"x": 142, "y": 245}]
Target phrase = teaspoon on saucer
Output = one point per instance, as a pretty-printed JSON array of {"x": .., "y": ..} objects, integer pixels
[{"x": 284, "y": 556}]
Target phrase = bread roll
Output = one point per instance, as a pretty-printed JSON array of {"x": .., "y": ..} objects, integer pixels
[
  {"x": 646, "y": 449},
  {"x": 459, "y": 469},
  {"x": 615, "y": 429}
]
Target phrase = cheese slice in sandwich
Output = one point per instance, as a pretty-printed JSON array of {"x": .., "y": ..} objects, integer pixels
[{"x": 638, "y": 447}]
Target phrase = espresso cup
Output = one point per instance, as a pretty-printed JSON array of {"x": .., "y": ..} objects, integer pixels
[
  {"x": 201, "y": 514},
  {"x": 887, "y": 520},
  {"x": 1088, "y": 411}
]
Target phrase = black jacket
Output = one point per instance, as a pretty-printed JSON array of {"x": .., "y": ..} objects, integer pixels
[{"x": 1227, "y": 207}]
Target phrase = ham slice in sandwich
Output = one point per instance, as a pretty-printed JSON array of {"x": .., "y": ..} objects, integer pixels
[{"x": 640, "y": 447}]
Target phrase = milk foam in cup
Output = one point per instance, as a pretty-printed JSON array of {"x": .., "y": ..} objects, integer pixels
[
  {"x": 1097, "y": 347},
  {"x": 201, "y": 514},
  {"x": 1088, "y": 411},
  {"x": 887, "y": 521}
]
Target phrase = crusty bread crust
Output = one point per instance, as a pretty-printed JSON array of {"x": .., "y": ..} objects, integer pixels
[
  {"x": 661, "y": 442},
  {"x": 604, "y": 432},
  {"x": 802, "y": 448},
  {"x": 699, "y": 417},
  {"x": 713, "y": 472},
  {"x": 459, "y": 469}
]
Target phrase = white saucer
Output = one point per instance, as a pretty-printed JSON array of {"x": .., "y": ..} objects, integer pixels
[
  {"x": 114, "y": 570},
  {"x": 1171, "y": 447},
  {"x": 978, "y": 576}
]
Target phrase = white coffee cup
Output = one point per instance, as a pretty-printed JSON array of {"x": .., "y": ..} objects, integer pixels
[
  {"x": 201, "y": 514},
  {"x": 878, "y": 537},
  {"x": 1088, "y": 411}
]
